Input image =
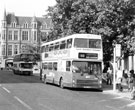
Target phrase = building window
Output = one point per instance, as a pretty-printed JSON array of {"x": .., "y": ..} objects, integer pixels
[
  {"x": 4, "y": 35},
  {"x": 13, "y": 24},
  {"x": 35, "y": 35},
  {"x": 35, "y": 25},
  {"x": 25, "y": 35},
  {"x": 25, "y": 25},
  {"x": 4, "y": 24},
  {"x": 9, "y": 35},
  {"x": 3, "y": 50},
  {"x": 15, "y": 49},
  {"x": 9, "y": 50},
  {"x": 15, "y": 35}
]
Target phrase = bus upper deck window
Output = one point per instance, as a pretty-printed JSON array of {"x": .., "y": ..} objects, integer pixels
[
  {"x": 56, "y": 47},
  {"x": 51, "y": 47},
  {"x": 69, "y": 43},
  {"x": 47, "y": 48},
  {"x": 80, "y": 43},
  {"x": 63, "y": 45},
  {"x": 94, "y": 43}
]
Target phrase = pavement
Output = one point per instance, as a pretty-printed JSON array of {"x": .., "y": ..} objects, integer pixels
[{"x": 108, "y": 89}]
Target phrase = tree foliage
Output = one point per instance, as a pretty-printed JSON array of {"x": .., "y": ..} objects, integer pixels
[
  {"x": 116, "y": 21},
  {"x": 113, "y": 19}
]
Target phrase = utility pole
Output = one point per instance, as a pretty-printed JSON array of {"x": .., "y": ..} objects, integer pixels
[
  {"x": 117, "y": 53},
  {"x": 114, "y": 67},
  {"x": 20, "y": 40}
]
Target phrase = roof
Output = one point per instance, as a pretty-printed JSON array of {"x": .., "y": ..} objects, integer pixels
[{"x": 20, "y": 20}]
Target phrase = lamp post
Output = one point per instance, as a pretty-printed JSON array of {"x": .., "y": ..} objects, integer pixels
[
  {"x": 117, "y": 53},
  {"x": 114, "y": 66}
]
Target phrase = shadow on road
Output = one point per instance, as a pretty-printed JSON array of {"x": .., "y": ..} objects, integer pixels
[
  {"x": 7, "y": 76},
  {"x": 78, "y": 89},
  {"x": 85, "y": 89}
]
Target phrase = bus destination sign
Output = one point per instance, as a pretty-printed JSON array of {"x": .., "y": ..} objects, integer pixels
[{"x": 88, "y": 55}]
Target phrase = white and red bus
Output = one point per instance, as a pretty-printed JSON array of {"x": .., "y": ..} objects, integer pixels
[{"x": 73, "y": 61}]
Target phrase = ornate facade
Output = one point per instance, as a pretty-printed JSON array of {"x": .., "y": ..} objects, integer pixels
[{"x": 19, "y": 32}]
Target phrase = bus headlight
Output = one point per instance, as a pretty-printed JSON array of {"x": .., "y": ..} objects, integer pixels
[
  {"x": 73, "y": 81},
  {"x": 100, "y": 81}
]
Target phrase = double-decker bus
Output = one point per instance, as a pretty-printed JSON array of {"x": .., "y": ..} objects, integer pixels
[
  {"x": 23, "y": 63},
  {"x": 73, "y": 61}
]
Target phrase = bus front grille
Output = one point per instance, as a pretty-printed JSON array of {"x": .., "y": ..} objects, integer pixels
[{"x": 87, "y": 81}]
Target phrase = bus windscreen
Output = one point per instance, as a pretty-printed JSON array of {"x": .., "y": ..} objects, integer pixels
[
  {"x": 26, "y": 65},
  {"x": 90, "y": 68}
]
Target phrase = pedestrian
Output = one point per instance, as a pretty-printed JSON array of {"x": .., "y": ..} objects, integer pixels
[
  {"x": 133, "y": 85},
  {"x": 109, "y": 76},
  {"x": 125, "y": 76},
  {"x": 130, "y": 80},
  {"x": 125, "y": 73},
  {"x": 105, "y": 73},
  {"x": 119, "y": 77}
]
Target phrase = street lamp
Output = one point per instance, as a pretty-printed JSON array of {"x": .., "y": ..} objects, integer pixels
[
  {"x": 114, "y": 66},
  {"x": 117, "y": 53}
]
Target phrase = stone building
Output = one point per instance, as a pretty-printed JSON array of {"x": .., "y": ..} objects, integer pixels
[{"x": 20, "y": 32}]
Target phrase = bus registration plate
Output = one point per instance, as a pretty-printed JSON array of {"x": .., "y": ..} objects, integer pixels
[{"x": 86, "y": 86}]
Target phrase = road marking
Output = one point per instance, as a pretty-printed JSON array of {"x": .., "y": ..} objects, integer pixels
[
  {"x": 6, "y": 89},
  {"x": 113, "y": 108},
  {"x": 118, "y": 97},
  {"x": 0, "y": 85},
  {"x": 46, "y": 107},
  {"x": 23, "y": 103},
  {"x": 132, "y": 104}
]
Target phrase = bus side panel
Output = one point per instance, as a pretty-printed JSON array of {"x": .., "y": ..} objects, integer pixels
[
  {"x": 57, "y": 77},
  {"x": 67, "y": 79}
]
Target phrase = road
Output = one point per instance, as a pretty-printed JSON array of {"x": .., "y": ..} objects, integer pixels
[{"x": 22, "y": 92}]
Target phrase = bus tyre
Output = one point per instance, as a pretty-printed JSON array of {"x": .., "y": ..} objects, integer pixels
[
  {"x": 61, "y": 83},
  {"x": 14, "y": 71}
]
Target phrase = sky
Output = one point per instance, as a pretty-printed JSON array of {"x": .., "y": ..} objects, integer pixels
[{"x": 25, "y": 7}]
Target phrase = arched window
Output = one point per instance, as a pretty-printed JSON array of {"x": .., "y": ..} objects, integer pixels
[
  {"x": 25, "y": 25},
  {"x": 13, "y": 24}
]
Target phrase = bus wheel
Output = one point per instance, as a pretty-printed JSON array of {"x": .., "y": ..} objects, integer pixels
[
  {"x": 44, "y": 79},
  {"x": 14, "y": 71},
  {"x": 61, "y": 83}
]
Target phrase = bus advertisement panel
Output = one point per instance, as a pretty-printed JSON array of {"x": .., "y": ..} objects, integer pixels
[{"x": 73, "y": 61}]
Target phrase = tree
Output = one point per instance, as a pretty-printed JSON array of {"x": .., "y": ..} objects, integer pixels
[
  {"x": 116, "y": 22},
  {"x": 113, "y": 19},
  {"x": 72, "y": 16},
  {"x": 32, "y": 48}
]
